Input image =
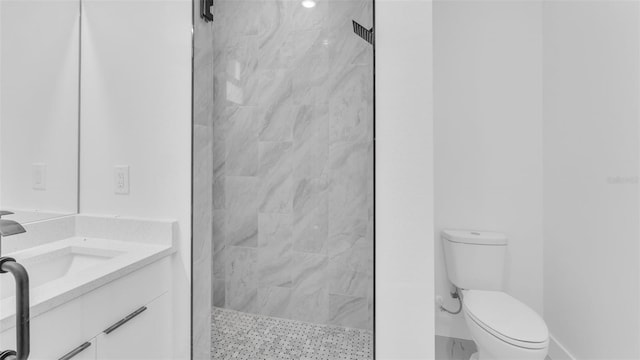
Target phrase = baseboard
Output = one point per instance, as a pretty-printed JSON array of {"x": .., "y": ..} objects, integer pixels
[{"x": 557, "y": 351}]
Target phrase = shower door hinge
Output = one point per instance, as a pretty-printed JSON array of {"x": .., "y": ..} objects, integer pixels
[{"x": 206, "y": 10}]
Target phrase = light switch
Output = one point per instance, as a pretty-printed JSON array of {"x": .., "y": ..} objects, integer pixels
[
  {"x": 39, "y": 176},
  {"x": 121, "y": 180}
]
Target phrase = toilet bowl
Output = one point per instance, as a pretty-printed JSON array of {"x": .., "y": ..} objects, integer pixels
[{"x": 503, "y": 328}]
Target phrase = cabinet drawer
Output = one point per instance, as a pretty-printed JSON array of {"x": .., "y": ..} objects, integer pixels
[
  {"x": 146, "y": 335},
  {"x": 110, "y": 303}
]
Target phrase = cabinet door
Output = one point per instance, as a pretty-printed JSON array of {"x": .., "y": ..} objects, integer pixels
[
  {"x": 146, "y": 334},
  {"x": 53, "y": 333}
]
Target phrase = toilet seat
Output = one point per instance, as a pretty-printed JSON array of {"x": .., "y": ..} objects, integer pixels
[{"x": 506, "y": 318}]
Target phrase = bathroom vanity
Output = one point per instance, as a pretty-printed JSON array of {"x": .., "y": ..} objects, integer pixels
[
  {"x": 107, "y": 288},
  {"x": 101, "y": 286}
]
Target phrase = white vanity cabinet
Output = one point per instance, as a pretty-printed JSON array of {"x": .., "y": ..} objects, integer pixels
[
  {"x": 142, "y": 334},
  {"x": 80, "y": 324}
]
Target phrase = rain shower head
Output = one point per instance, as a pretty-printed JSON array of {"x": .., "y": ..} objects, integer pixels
[{"x": 361, "y": 31}]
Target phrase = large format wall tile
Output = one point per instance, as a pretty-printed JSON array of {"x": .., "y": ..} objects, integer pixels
[
  {"x": 267, "y": 87},
  {"x": 310, "y": 215},
  {"x": 219, "y": 266},
  {"x": 312, "y": 72},
  {"x": 352, "y": 105},
  {"x": 276, "y": 122},
  {"x": 274, "y": 301},
  {"x": 242, "y": 210},
  {"x": 276, "y": 184},
  {"x": 219, "y": 289},
  {"x": 310, "y": 295},
  {"x": 275, "y": 250},
  {"x": 242, "y": 279},
  {"x": 348, "y": 311},
  {"x": 344, "y": 281},
  {"x": 219, "y": 160},
  {"x": 219, "y": 230},
  {"x": 242, "y": 144},
  {"x": 311, "y": 141}
]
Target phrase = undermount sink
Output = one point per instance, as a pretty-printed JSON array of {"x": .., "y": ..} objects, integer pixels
[
  {"x": 62, "y": 270},
  {"x": 49, "y": 266}
]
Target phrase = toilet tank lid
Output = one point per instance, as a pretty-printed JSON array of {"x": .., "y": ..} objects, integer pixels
[{"x": 475, "y": 237}]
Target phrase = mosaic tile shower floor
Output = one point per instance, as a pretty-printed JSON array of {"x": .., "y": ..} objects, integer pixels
[{"x": 238, "y": 335}]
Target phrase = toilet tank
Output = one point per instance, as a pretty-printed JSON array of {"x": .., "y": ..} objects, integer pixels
[{"x": 475, "y": 259}]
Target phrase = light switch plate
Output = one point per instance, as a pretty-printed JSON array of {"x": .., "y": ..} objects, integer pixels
[
  {"x": 39, "y": 176},
  {"x": 121, "y": 180}
]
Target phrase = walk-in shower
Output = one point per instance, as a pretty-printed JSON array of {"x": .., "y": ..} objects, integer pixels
[{"x": 283, "y": 180}]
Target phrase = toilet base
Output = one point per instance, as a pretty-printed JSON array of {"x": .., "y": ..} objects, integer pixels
[
  {"x": 491, "y": 348},
  {"x": 474, "y": 356}
]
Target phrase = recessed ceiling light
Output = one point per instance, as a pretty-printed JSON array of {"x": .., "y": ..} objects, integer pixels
[{"x": 308, "y": 3}]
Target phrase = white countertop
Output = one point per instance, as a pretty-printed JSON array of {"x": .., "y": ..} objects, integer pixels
[{"x": 106, "y": 261}]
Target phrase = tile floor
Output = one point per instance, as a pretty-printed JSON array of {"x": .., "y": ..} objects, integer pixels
[{"x": 238, "y": 335}]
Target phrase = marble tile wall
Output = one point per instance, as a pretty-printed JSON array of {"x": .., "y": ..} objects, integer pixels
[{"x": 293, "y": 160}]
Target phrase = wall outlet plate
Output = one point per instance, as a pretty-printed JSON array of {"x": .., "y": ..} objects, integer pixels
[{"x": 121, "y": 180}]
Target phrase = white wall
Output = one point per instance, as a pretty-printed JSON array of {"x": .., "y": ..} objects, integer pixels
[
  {"x": 1, "y": 32},
  {"x": 39, "y": 103},
  {"x": 136, "y": 111},
  {"x": 488, "y": 138},
  {"x": 404, "y": 180},
  {"x": 591, "y": 256}
]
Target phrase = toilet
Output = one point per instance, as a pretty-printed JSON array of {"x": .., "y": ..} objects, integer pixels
[{"x": 502, "y": 327}]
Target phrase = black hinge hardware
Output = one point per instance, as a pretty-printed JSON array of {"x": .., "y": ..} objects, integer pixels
[{"x": 205, "y": 10}]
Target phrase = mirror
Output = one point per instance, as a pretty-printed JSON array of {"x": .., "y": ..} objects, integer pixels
[{"x": 39, "y": 102}]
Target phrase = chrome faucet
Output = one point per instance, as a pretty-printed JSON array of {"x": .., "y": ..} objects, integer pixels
[{"x": 9, "y": 227}]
